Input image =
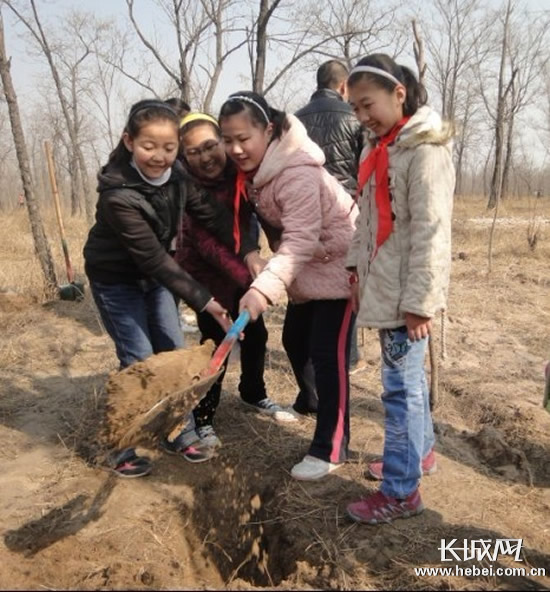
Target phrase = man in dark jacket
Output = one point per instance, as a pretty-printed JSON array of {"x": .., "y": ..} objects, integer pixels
[{"x": 330, "y": 123}]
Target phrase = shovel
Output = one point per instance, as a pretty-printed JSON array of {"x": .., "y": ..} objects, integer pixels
[
  {"x": 165, "y": 415},
  {"x": 73, "y": 290}
]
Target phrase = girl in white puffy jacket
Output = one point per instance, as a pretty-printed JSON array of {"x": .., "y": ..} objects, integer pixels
[{"x": 400, "y": 262}]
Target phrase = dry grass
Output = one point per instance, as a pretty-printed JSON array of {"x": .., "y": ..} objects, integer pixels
[
  {"x": 497, "y": 339},
  {"x": 19, "y": 267}
]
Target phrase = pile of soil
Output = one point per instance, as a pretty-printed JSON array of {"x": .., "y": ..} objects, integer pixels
[{"x": 148, "y": 399}]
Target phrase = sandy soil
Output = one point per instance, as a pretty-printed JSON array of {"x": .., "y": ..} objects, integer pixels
[{"x": 240, "y": 521}]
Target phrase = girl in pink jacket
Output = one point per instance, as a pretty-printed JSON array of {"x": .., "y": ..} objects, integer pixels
[{"x": 309, "y": 221}]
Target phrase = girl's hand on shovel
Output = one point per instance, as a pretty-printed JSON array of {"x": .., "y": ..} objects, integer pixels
[
  {"x": 219, "y": 313},
  {"x": 255, "y": 302}
]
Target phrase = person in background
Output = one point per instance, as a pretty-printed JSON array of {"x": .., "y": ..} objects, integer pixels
[
  {"x": 331, "y": 124},
  {"x": 399, "y": 262},
  {"x": 142, "y": 191},
  {"x": 223, "y": 272},
  {"x": 308, "y": 218}
]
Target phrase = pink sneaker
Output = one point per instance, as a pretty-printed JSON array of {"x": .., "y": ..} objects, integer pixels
[
  {"x": 378, "y": 507},
  {"x": 429, "y": 466}
]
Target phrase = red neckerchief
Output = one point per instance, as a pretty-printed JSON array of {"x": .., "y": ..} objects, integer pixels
[
  {"x": 240, "y": 189},
  {"x": 377, "y": 161}
]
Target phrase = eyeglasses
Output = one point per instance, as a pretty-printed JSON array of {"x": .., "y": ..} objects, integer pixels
[{"x": 206, "y": 149}]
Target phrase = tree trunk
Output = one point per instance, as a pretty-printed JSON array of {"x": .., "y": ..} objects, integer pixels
[
  {"x": 74, "y": 175},
  {"x": 88, "y": 204},
  {"x": 261, "y": 48},
  {"x": 497, "y": 176},
  {"x": 39, "y": 236},
  {"x": 418, "y": 48},
  {"x": 508, "y": 157}
]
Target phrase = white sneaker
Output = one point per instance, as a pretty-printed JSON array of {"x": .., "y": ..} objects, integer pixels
[
  {"x": 208, "y": 436},
  {"x": 311, "y": 468},
  {"x": 269, "y": 407},
  {"x": 286, "y": 415}
]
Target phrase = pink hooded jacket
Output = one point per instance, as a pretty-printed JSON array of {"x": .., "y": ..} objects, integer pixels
[{"x": 294, "y": 194}]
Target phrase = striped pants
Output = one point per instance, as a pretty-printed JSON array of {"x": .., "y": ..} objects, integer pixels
[{"x": 318, "y": 334}]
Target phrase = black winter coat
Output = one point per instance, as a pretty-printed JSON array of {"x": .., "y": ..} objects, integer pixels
[
  {"x": 136, "y": 223},
  {"x": 331, "y": 124}
]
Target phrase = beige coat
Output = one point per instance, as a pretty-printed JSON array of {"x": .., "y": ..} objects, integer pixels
[
  {"x": 410, "y": 272},
  {"x": 293, "y": 193}
]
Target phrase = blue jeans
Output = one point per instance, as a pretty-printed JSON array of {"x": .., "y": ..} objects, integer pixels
[
  {"x": 141, "y": 318},
  {"x": 409, "y": 434}
]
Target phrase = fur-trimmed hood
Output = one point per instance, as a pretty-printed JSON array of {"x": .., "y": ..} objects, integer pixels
[
  {"x": 424, "y": 127},
  {"x": 293, "y": 149}
]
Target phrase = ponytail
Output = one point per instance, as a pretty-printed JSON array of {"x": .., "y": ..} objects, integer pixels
[{"x": 417, "y": 95}]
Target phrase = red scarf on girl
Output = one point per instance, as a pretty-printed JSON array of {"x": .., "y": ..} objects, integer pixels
[
  {"x": 377, "y": 161},
  {"x": 240, "y": 189}
]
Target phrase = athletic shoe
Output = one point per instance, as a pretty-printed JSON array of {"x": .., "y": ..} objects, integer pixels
[
  {"x": 197, "y": 453},
  {"x": 193, "y": 453},
  {"x": 208, "y": 436},
  {"x": 129, "y": 465},
  {"x": 312, "y": 468},
  {"x": 378, "y": 507},
  {"x": 269, "y": 407},
  {"x": 429, "y": 466}
]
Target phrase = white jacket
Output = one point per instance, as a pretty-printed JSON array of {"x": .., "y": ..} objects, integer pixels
[{"x": 410, "y": 272}]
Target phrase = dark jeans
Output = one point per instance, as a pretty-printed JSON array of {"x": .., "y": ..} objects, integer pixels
[
  {"x": 316, "y": 337},
  {"x": 140, "y": 318},
  {"x": 253, "y": 350}
]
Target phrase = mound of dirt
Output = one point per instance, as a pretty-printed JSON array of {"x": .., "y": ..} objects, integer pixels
[
  {"x": 493, "y": 449},
  {"x": 147, "y": 399}
]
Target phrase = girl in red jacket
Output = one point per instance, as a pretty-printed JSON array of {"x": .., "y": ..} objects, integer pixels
[{"x": 221, "y": 271}]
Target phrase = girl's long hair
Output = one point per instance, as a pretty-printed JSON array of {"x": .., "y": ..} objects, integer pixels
[{"x": 416, "y": 93}]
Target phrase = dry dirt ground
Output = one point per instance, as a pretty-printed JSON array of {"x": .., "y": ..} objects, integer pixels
[{"x": 240, "y": 521}]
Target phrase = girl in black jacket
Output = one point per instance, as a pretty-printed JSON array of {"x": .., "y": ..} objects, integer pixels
[{"x": 133, "y": 277}]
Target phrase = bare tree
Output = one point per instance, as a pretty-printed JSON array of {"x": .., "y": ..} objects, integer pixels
[
  {"x": 35, "y": 28},
  {"x": 195, "y": 25},
  {"x": 39, "y": 236},
  {"x": 523, "y": 54},
  {"x": 452, "y": 44},
  {"x": 528, "y": 56},
  {"x": 102, "y": 93},
  {"x": 418, "y": 48},
  {"x": 497, "y": 110},
  {"x": 338, "y": 29},
  {"x": 350, "y": 29},
  {"x": 258, "y": 73}
]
